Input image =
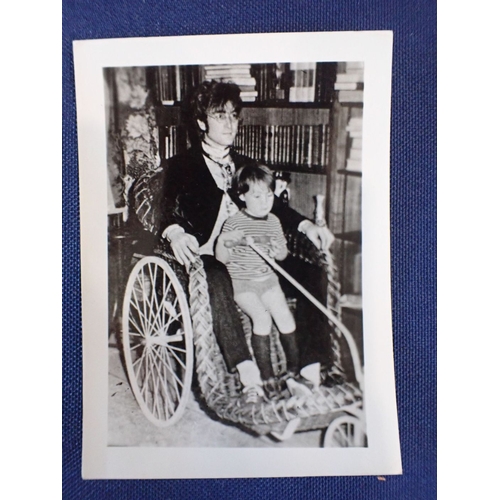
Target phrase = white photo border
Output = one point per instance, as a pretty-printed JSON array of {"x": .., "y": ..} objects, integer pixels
[{"x": 382, "y": 456}]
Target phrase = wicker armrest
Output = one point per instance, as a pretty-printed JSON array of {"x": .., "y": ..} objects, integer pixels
[
  {"x": 144, "y": 199},
  {"x": 301, "y": 247}
]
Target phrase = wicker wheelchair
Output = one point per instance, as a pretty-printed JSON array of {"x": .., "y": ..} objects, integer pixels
[{"x": 168, "y": 341}]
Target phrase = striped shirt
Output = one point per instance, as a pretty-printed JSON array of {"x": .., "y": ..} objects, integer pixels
[{"x": 245, "y": 263}]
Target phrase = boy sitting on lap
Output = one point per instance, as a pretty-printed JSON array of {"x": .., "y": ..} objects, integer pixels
[{"x": 256, "y": 286}]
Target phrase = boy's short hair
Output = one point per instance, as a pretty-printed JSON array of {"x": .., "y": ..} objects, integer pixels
[
  {"x": 214, "y": 95},
  {"x": 252, "y": 173}
]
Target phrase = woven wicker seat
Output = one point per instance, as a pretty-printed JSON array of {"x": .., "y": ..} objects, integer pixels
[{"x": 217, "y": 386}]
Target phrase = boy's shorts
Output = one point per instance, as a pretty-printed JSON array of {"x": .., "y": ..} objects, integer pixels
[{"x": 254, "y": 286}]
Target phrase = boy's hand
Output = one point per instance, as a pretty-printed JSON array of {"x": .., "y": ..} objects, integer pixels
[
  {"x": 231, "y": 238},
  {"x": 277, "y": 251}
]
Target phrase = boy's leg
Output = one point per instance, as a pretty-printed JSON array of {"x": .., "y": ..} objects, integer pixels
[
  {"x": 251, "y": 305},
  {"x": 261, "y": 325},
  {"x": 275, "y": 301}
]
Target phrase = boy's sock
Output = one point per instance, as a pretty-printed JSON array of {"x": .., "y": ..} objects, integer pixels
[
  {"x": 249, "y": 374},
  {"x": 261, "y": 345},
  {"x": 312, "y": 373},
  {"x": 291, "y": 348}
]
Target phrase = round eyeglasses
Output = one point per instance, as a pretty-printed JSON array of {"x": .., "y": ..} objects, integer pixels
[{"x": 223, "y": 116}]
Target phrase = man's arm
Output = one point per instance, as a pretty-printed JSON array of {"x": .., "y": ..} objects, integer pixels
[
  {"x": 173, "y": 226},
  {"x": 173, "y": 186},
  {"x": 291, "y": 220}
]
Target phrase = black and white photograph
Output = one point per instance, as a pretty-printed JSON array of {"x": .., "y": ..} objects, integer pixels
[{"x": 235, "y": 242}]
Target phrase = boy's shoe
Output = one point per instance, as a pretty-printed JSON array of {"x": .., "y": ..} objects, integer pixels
[
  {"x": 298, "y": 385},
  {"x": 273, "y": 390},
  {"x": 330, "y": 377},
  {"x": 234, "y": 385},
  {"x": 253, "y": 394}
]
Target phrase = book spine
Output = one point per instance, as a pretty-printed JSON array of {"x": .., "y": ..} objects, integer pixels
[
  {"x": 323, "y": 145},
  {"x": 354, "y": 165},
  {"x": 350, "y": 96},
  {"x": 354, "y": 77},
  {"x": 356, "y": 143},
  {"x": 178, "y": 95},
  {"x": 355, "y": 154},
  {"x": 349, "y": 86}
]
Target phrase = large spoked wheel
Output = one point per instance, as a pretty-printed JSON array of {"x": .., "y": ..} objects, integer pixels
[
  {"x": 157, "y": 341},
  {"x": 345, "y": 432}
]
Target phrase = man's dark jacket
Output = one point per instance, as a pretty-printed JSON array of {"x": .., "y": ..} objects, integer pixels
[{"x": 191, "y": 198}]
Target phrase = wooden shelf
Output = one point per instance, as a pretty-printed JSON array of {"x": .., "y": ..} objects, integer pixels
[
  {"x": 345, "y": 171},
  {"x": 313, "y": 115},
  {"x": 287, "y": 105}
]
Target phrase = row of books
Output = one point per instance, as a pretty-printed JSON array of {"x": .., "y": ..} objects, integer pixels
[
  {"x": 236, "y": 73},
  {"x": 270, "y": 82},
  {"x": 303, "y": 82},
  {"x": 350, "y": 83},
  {"x": 171, "y": 141},
  {"x": 176, "y": 82},
  {"x": 355, "y": 134},
  {"x": 303, "y": 147},
  {"x": 295, "y": 82},
  {"x": 265, "y": 83}
]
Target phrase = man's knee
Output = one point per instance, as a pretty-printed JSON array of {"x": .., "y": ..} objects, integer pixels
[{"x": 217, "y": 275}]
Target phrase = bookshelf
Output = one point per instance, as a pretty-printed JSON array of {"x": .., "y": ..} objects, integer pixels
[
  {"x": 286, "y": 115},
  {"x": 286, "y": 118},
  {"x": 344, "y": 191}
]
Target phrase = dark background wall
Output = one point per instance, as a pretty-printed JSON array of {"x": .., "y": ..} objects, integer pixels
[{"x": 413, "y": 224}]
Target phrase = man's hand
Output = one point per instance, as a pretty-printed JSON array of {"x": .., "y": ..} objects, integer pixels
[
  {"x": 322, "y": 237},
  {"x": 185, "y": 247}
]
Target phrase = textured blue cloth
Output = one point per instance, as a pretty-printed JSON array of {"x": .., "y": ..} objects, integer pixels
[{"x": 413, "y": 228}]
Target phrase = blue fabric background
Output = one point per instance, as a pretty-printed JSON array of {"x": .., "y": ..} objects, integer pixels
[{"x": 413, "y": 228}]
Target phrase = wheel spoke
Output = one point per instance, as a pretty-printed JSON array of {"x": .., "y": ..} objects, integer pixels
[
  {"x": 178, "y": 349},
  {"x": 158, "y": 383},
  {"x": 163, "y": 306},
  {"x": 154, "y": 310},
  {"x": 179, "y": 360},
  {"x": 154, "y": 380},
  {"x": 172, "y": 311},
  {"x": 141, "y": 314},
  {"x": 167, "y": 364},
  {"x": 146, "y": 378},
  {"x": 145, "y": 302},
  {"x": 345, "y": 434},
  {"x": 165, "y": 290},
  {"x": 169, "y": 403},
  {"x": 138, "y": 371},
  {"x": 138, "y": 333}
]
